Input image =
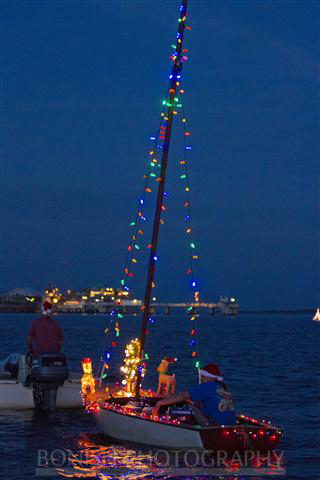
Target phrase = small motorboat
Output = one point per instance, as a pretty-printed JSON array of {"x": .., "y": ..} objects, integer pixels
[{"x": 41, "y": 382}]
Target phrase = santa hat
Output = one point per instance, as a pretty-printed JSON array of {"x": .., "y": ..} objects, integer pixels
[
  {"x": 170, "y": 359},
  {"x": 46, "y": 308},
  {"x": 211, "y": 371}
]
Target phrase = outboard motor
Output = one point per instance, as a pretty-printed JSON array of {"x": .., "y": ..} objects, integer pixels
[{"x": 49, "y": 371}]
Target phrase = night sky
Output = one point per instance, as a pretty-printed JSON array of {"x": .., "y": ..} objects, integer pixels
[{"x": 81, "y": 90}]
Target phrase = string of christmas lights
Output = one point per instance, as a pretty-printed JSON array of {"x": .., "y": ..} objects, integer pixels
[
  {"x": 193, "y": 255},
  {"x": 178, "y": 58},
  {"x": 134, "y": 246}
]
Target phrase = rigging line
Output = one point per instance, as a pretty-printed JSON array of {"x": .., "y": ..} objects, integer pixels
[
  {"x": 143, "y": 195},
  {"x": 187, "y": 194},
  {"x": 107, "y": 337},
  {"x": 130, "y": 252}
]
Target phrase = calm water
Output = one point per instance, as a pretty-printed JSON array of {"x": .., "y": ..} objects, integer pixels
[{"x": 271, "y": 364}]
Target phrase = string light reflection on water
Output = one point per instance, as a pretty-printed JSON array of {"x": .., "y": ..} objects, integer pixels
[
  {"x": 96, "y": 461},
  {"x": 106, "y": 462}
]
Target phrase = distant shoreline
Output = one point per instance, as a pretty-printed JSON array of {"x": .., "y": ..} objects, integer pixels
[{"x": 241, "y": 312}]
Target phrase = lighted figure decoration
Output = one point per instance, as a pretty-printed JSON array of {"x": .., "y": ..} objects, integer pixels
[
  {"x": 87, "y": 380},
  {"x": 131, "y": 365},
  {"x": 167, "y": 383}
]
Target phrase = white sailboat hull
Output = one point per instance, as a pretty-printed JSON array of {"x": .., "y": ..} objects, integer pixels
[
  {"x": 132, "y": 429},
  {"x": 15, "y": 396}
]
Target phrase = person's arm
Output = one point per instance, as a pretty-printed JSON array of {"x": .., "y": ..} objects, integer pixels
[{"x": 181, "y": 397}]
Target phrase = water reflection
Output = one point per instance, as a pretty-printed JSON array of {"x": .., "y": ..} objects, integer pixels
[{"x": 94, "y": 459}]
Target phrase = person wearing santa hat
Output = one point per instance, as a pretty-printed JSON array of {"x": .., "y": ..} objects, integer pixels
[
  {"x": 45, "y": 334},
  {"x": 211, "y": 400}
]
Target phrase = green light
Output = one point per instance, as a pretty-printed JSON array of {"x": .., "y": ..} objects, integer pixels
[
  {"x": 122, "y": 282},
  {"x": 179, "y": 105},
  {"x": 153, "y": 175},
  {"x": 132, "y": 223},
  {"x": 104, "y": 375},
  {"x": 183, "y": 176},
  {"x": 137, "y": 247},
  {"x": 197, "y": 364},
  {"x": 176, "y": 99},
  {"x": 192, "y": 245},
  {"x": 117, "y": 334},
  {"x": 173, "y": 46},
  {"x": 164, "y": 102},
  {"x": 119, "y": 315},
  {"x": 146, "y": 356},
  {"x": 152, "y": 164},
  {"x": 189, "y": 309}
]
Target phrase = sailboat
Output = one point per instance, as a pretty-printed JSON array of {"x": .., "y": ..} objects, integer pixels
[
  {"x": 316, "y": 317},
  {"x": 130, "y": 419}
]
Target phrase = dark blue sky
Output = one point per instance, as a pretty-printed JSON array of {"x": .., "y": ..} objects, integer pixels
[{"x": 82, "y": 84}]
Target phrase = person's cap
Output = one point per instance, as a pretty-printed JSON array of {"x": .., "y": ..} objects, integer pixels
[
  {"x": 211, "y": 371},
  {"x": 46, "y": 308}
]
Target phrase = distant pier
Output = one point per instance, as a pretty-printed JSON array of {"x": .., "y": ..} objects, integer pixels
[
  {"x": 155, "y": 308},
  {"x": 26, "y": 301}
]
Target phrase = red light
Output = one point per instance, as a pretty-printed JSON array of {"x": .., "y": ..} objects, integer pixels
[
  {"x": 225, "y": 432},
  {"x": 261, "y": 432},
  {"x": 273, "y": 437}
]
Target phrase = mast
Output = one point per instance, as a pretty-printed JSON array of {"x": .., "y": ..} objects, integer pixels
[{"x": 174, "y": 79}]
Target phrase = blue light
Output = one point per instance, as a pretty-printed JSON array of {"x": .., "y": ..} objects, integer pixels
[
  {"x": 108, "y": 355},
  {"x": 178, "y": 76},
  {"x": 127, "y": 288},
  {"x": 141, "y": 201},
  {"x": 193, "y": 284},
  {"x": 170, "y": 76},
  {"x": 155, "y": 258},
  {"x": 188, "y": 148},
  {"x": 152, "y": 138},
  {"x": 143, "y": 218},
  {"x": 187, "y": 217},
  {"x": 166, "y": 194}
]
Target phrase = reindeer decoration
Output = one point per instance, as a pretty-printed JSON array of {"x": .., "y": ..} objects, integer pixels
[{"x": 167, "y": 383}]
